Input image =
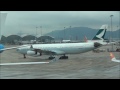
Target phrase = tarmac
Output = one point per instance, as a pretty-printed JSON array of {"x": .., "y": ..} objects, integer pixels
[{"x": 87, "y": 65}]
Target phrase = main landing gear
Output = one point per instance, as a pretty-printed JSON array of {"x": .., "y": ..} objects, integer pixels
[
  {"x": 50, "y": 58},
  {"x": 63, "y": 57},
  {"x": 24, "y": 56}
]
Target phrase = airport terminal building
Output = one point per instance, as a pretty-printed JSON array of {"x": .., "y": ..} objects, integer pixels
[{"x": 26, "y": 39}]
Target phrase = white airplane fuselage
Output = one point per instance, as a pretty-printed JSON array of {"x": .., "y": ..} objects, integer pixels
[{"x": 62, "y": 48}]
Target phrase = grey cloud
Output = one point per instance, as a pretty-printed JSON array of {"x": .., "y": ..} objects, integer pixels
[{"x": 26, "y": 21}]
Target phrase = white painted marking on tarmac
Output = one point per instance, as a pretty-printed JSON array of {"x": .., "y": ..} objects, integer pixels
[{"x": 22, "y": 63}]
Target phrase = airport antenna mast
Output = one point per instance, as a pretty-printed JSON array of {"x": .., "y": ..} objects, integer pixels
[
  {"x": 64, "y": 33},
  {"x": 111, "y": 32},
  {"x": 36, "y": 34},
  {"x": 41, "y": 30},
  {"x": 0, "y": 25},
  {"x": 119, "y": 32},
  {"x": 70, "y": 33}
]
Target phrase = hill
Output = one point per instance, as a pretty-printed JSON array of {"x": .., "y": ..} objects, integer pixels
[{"x": 79, "y": 33}]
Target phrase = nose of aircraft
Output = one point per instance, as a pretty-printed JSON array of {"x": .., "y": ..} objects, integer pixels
[
  {"x": 19, "y": 50},
  {"x": 1, "y": 47}
]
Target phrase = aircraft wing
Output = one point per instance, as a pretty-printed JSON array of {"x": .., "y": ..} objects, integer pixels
[
  {"x": 13, "y": 47},
  {"x": 8, "y": 48},
  {"x": 58, "y": 52}
]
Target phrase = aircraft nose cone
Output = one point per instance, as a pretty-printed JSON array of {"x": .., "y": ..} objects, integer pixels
[
  {"x": 96, "y": 44},
  {"x": 19, "y": 50},
  {"x": 1, "y": 47}
]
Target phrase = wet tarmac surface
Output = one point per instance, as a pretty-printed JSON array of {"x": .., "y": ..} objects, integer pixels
[{"x": 87, "y": 65}]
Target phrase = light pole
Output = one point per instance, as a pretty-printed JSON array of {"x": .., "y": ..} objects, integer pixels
[
  {"x": 119, "y": 41},
  {"x": 70, "y": 33},
  {"x": 119, "y": 28},
  {"x": 111, "y": 31},
  {"x": 0, "y": 26},
  {"x": 64, "y": 33},
  {"x": 41, "y": 30},
  {"x": 36, "y": 34}
]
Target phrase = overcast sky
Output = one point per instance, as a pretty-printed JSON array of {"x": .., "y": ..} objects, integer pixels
[{"x": 27, "y": 21}]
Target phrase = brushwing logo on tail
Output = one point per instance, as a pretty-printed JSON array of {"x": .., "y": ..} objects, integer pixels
[{"x": 101, "y": 33}]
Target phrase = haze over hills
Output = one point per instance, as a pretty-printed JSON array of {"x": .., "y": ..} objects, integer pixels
[
  {"x": 76, "y": 33},
  {"x": 79, "y": 33}
]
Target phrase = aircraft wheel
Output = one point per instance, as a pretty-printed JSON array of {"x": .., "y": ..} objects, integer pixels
[
  {"x": 24, "y": 56},
  {"x": 50, "y": 58},
  {"x": 63, "y": 57}
]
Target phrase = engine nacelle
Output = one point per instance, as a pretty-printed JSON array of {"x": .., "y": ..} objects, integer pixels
[{"x": 31, "y": 53}]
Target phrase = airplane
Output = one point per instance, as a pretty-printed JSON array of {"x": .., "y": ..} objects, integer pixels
[
  {"x": 63, "y": 48},
  {"x": 66, "y": 41},
  {"x": 1, "y": 47},
  {"x": 55, "y": 49},
  {"x": 99, "y": 37},
  {"x": 113, "y": 58}
]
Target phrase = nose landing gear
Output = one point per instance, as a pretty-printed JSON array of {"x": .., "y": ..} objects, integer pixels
[{"x": 24, "y": 55}]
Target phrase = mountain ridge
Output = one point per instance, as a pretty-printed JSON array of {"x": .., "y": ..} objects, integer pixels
[{"x": 79, "y": 33}]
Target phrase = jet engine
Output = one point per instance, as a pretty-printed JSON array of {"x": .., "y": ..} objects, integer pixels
[
  {"x": 31, "y": 53},
  {"x": 34, "y": 53}
]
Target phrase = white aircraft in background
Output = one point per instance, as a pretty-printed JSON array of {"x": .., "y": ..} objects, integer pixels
[
  {"x": 99, "y": 37},
  {"x": 112, "y": 43},
  {"x": 65, "y": 41},
  {"x": 113, "y": 58}
]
